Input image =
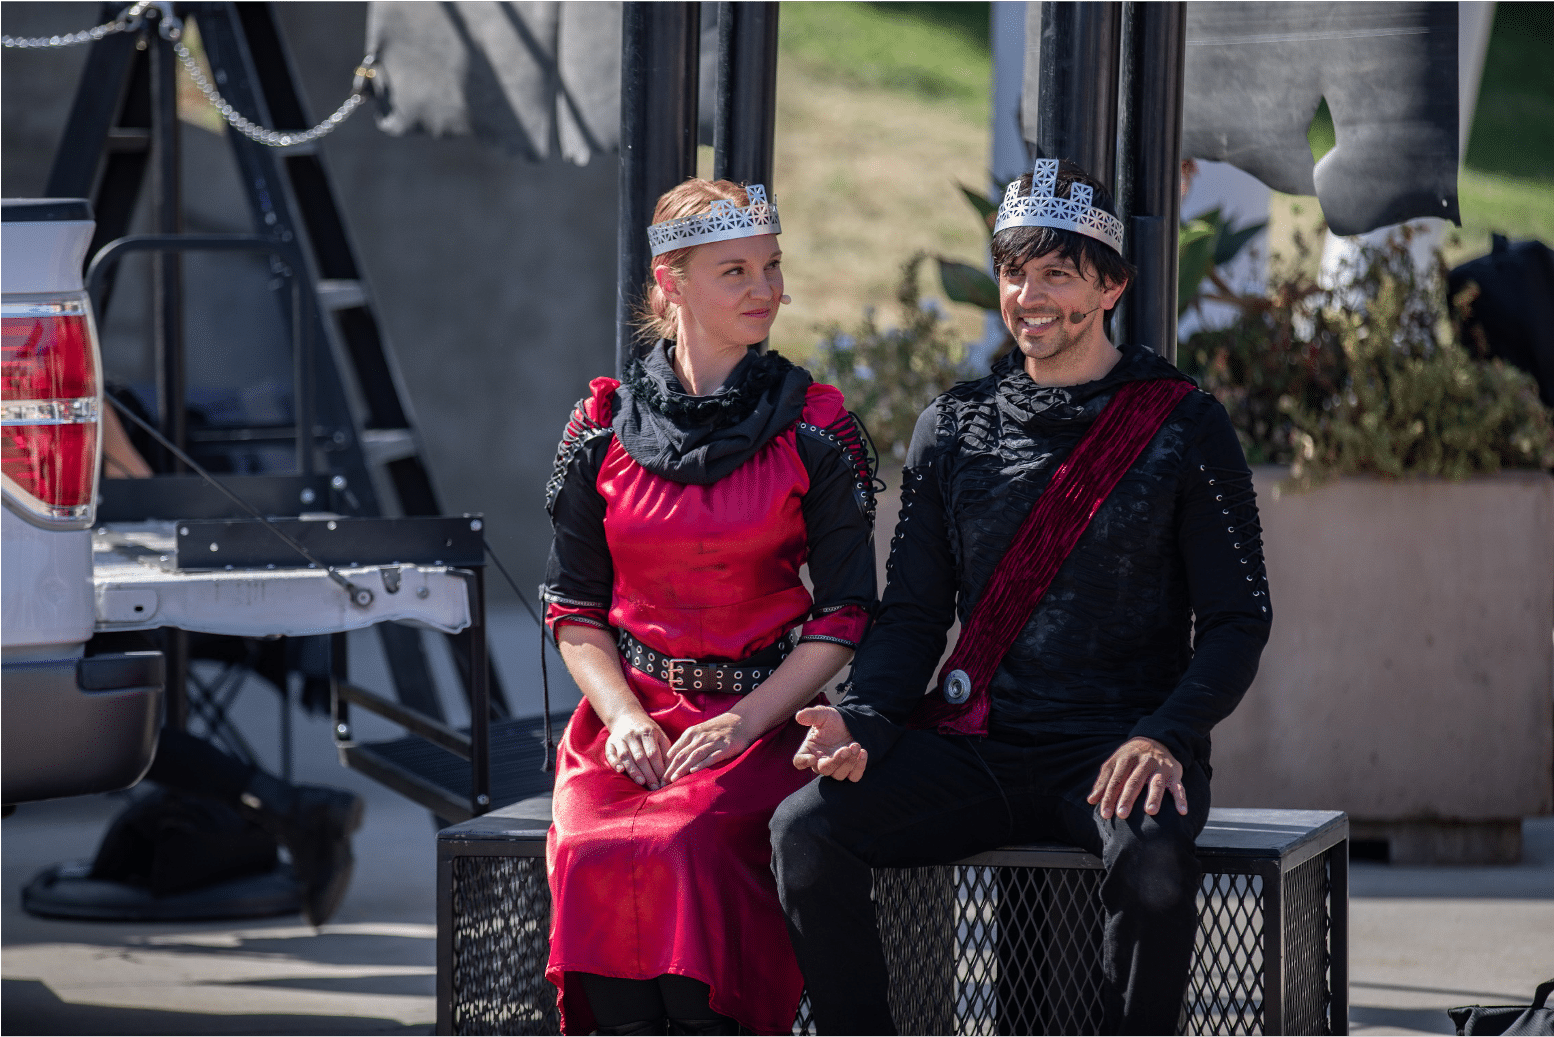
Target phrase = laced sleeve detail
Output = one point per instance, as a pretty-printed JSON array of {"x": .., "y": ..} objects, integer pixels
[
  {"x": 848, "y": 435},
  {"x": 583, "y": 428},
  {"x": 1237, "y": 500}
]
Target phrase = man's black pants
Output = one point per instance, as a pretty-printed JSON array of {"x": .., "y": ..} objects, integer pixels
[{"x": 935, "y": 799}]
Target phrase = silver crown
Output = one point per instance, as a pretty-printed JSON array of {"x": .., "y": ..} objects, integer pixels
[
  {"x": 725, "y": 222},
  {"x": 1043, "y": 208}
]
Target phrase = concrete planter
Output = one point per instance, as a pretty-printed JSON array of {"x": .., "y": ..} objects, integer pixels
[{"x": 1410, "y": 677}]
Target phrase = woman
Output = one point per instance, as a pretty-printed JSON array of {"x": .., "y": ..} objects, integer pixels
[{"x": 684, "y": 502}]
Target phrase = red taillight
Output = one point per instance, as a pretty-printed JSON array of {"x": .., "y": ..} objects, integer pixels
[
  {"x": 49, "y": 397},
  {"x": 47, "y": 358},
  {"x": 54, "y": 463}
]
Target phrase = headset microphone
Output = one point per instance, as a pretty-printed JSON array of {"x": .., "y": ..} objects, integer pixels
[
  {"x": 786, "y": 299},
  {"x": 1076, "y": 318}
]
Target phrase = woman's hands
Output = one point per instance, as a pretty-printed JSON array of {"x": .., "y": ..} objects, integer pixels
[
  {"x": 638, "y": 748},
  {"x": 710, "y": 742}
]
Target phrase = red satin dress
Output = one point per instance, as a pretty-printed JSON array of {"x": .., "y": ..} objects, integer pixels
[{"x": 679, "y": 880}]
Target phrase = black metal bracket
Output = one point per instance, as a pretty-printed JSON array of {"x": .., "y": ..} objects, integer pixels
[{"x": 248, "y": 544}]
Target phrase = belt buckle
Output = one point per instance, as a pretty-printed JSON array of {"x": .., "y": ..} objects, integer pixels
[{"x": 672, "y": 668}]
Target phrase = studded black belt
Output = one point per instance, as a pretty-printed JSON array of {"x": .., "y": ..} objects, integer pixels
[{"x": 738, "y": 678}]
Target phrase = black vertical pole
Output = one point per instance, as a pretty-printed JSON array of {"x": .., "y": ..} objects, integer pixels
[
  {"x": 659, "y": 55},
  {"x": 479, "y": 696},
  {"x": 167, "y": 310},
  {"x": 1076, "y": 114},
  {"x": 340, "y": 673},
  {"x": 1149, "y": 178},
  {"x": 167, "y": 266},
  {"x": 746, "y": 124}
]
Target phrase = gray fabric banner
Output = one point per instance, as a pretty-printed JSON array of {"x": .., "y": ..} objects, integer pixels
[
  {"x": 534, "y": 79},
  {"x": 1256, "y": 73}
]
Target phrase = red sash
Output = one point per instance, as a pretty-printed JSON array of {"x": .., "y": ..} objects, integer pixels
[{"x": 960, "y": 703}]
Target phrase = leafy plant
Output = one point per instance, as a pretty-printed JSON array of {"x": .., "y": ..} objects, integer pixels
[
  {"x": 963, "y": 282},
  {"x": 1367, "y": 378},
  {"x": 890, "y": 374},
  {"x": 1205, "y": 244},
  {"x": 1279, "y": 352}
]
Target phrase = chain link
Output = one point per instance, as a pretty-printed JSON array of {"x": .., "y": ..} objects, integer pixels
[
  {"x": 171, "y": 29},
  {"x": 365, "y": 72},
  {"x": 129, "y": 21}
]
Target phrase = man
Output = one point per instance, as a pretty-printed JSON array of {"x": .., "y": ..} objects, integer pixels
[{"x": 1125, "y": 614}]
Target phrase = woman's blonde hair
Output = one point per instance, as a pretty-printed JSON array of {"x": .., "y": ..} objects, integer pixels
[{"x": 656, "y": 317}]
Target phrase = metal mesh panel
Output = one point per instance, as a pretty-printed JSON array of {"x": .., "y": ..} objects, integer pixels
[
  {"x": 1225, "y": 986},
  {"x": 971, "y": 950},
  {"x": 917, "y": 911},
  {"x": 501, "y": 939},
  {"x": 1307, "y": 995}
]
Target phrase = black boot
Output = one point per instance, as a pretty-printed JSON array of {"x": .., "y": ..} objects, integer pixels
[{"x": 314, "y": 823}]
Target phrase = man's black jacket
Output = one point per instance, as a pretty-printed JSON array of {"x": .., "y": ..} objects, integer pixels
[{"x": 1153, "y": 625}]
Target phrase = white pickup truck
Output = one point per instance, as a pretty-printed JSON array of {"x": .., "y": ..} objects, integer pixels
[
  {"x": 78, "y": 721},
  {"x": 73, "y": 724}
]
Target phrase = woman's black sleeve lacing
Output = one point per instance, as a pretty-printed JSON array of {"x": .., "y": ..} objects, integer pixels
[
  {"x": 1237, "y": 499},
  {"x": 580, "y": 431},
  {"x": 849, "y": 435}
]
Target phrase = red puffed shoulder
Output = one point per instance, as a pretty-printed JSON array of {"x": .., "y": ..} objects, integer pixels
[
  {"x": 597, "y": 405},
  {"x": 823, "y": 405}
]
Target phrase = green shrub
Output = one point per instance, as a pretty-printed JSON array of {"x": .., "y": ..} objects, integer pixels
[
  {"x": 890, "y": 374},
  {"x": 1368, "y": 379}
]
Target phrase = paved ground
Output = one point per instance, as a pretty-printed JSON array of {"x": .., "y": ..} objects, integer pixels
[{"x": 1424, "y": 939}]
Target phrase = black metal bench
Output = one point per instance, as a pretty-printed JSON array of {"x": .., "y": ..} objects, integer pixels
[{"x": 1004, "y": 942}]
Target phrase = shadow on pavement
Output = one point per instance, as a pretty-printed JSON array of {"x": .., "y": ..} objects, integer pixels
[
  {"x": 1394, "y": 1020},
  {"x": 28, "y": 1006}
]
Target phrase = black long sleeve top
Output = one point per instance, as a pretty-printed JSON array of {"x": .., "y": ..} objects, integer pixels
[{"x": 1152, "y": 626}]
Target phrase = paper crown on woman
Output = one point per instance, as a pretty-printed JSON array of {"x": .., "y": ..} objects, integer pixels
[
  {"x": 725, "y": 222},
  {"x": 1043, "y": 208}
]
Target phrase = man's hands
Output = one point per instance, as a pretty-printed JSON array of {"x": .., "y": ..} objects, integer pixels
[
  {"x": 637, "y": 747},
  {"x": 712, "y": 741},
  {"x": 829, "y": 749},
  {"x": 1138, "y": 763}
]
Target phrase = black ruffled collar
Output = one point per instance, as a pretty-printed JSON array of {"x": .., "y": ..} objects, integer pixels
[
  {"x": 700, "y": 439},
  {"x": 652, "y": 381}
]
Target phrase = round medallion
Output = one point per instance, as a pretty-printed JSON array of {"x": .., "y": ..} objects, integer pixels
[{"x": 957, "y": 687}]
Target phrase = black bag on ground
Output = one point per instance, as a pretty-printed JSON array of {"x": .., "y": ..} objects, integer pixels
[
  {"x": 1511, "y": 1020},
  {"x": 167, "y": 843}
]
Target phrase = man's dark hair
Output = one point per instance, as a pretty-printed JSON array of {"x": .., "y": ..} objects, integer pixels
[{"x": 1013, "y": 247}]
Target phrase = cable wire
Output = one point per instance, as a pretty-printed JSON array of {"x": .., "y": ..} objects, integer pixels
[
  {"x": 360, "y": 596},
  {"x": 550, "y": 741}
]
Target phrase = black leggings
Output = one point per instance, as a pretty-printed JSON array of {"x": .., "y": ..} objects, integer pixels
[{"x": 619, "y": 1002}]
